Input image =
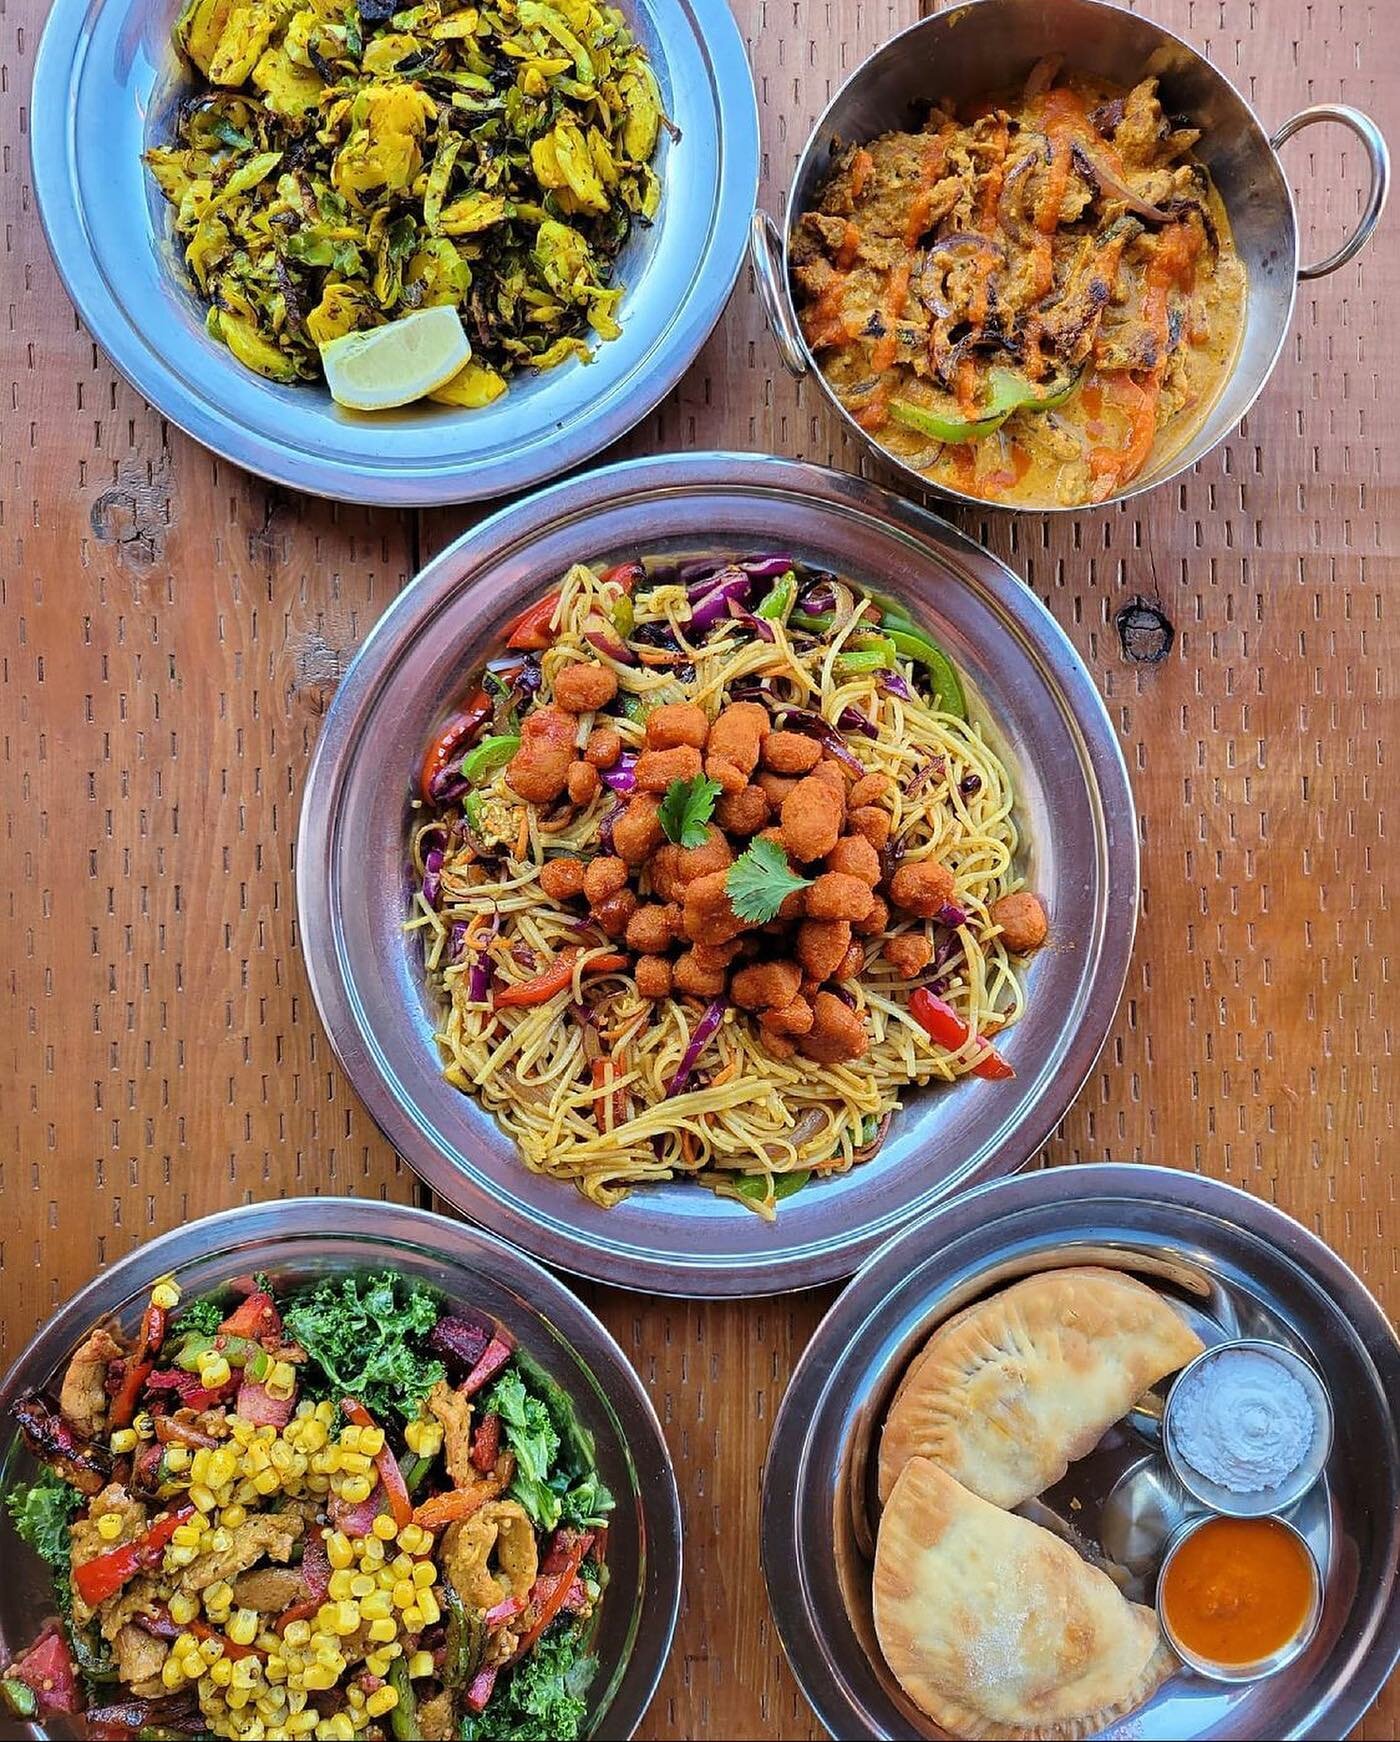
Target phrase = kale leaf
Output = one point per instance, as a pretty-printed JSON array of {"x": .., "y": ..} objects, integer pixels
[
  {"x": 42, "y": 1513},
  {"x": 543, "y": 1700},
  {"x": 203, "y": 1317},
  {"x": 366, "y": 1335}
]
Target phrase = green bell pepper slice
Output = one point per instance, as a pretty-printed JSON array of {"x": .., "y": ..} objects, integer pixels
[
  {"x": 18, "y": 1698},
  {"x": 781, "y": 597},
  {"x": 489, "y": 755},
  {"x": 1009, "y": 392},
  {"x": 948, "y": 694}
]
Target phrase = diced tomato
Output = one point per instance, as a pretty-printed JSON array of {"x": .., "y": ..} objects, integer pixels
[
  {"x": 256, "y": 1317},
  {"x": 46, "y": 1669}
]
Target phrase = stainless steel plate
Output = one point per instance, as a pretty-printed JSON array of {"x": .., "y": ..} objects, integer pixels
[
  {"x": 1237, "y": 1267},
  {"x": 306, "y": 1239},
  {"x": 106, "y": 85},
  {"x": 1076, "y": 814}
]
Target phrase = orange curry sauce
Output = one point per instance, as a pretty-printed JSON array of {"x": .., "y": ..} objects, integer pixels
[{"x": 1238, "y": 1590}]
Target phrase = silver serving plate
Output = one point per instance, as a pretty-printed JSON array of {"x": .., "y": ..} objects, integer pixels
[
  {"x": 1076, "y": 815},
  {"x": 106, "y": 86},
  {"x": 1234, "y": 1266},
  {"x": 307, "y": 1239},
  {"x": 985, "y": 46}
]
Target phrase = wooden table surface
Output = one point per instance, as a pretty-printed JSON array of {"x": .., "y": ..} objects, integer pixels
[{"x": 173, "y": 631}]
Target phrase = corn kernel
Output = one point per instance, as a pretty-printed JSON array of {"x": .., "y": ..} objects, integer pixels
[
  {"x": 221, "y": 1673},
  {"x": 338, "y": 1586},
  {"x": 404, "y": 1593},
  {"x": 177, "y": 1458},
  {"x": 180, "y": 1554},
  {"x": 232, "y": 1516},
  {"x": 302, "y": 1723},
  {"x": 266, "y": 1482},
  {"x": 350, "y": 1438},
  {"x": 211, "y": 1650},
  {"x": 183, "y": 1608},
  {"x": 347, "y": 1618},
  {"x": 376, "y": 1605},
  {"x": 171, "y": 1674},
  {"x": 281, "y": 1382},
  {"x": 413, "y": 1618},
  {"x": 298, "y": 1634},
  {"x": 355, "y": 1696},
  {"x": 383, "y": 1631},
  {"x": 372, "y": 1555},
  {"x": 202, "y": 1497},
  {"x": 109, "y": 1526},
  {"x": 237, "y": 1698},
  {"x": 423, "y": 1438},
  {"x": 338, "y": 1549},
  {"x": 354, "y": 1489},
  {"x": 377, "y": 1662},
  {"x": 214, "y": 1371},
  {"x": 323, "y": 1641},
  {"x": 317, "y": 1677},
  {"x": 220, "y": 1542},
  {"x": 246, "y": 1672},
  {"x": 243, "y": 1628},
  {"x": 371, "y": 1441},
  {"x": 220, "y": 1594},
  {"x": 275, "y": 1669},
  {"x": 413, "y": 1539},
  {"x": 339, "y": 1728},
  {"x": 166, "y": 1294},
  {"x": 382, "y": 1700},
  {"x": 223, "y": 1467},
  {"x": 383, "y": 1527},
  {"x": 144, "y": 1425},
  {"x": 361, "y": 1585},
  {"x": 428, "y": 1604},
  {"x": 424, "y": 1574},
  {"x": 124, "y": 1440},
  {"x": 421, "y": 1664}
]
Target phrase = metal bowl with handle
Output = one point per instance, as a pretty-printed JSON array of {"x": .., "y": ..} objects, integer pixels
[
  {"x": 990, "y": 45},
  {"x": 310, "y": 1240}
]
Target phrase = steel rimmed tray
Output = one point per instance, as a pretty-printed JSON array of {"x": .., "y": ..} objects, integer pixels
[
  {"x": 305, "y": 1240},
  {"x": 1238, "y": 1266},
  {"x": 106, "y": 85},
  {"x": 1076, "y": 812}
]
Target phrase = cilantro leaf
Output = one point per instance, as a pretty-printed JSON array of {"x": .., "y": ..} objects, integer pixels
[
  {"x": 760, "y": 881},
  {"x": 687, "y": 808},
  {"x": 366, "y": 1335}
]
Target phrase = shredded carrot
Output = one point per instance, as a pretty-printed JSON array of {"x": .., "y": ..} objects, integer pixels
[
  {"x": 690, "y": 1149},
  {"x": 861, "y": 165},
  {"x": 522, "y": 835},
  {"x": 725, "y": 1072}
]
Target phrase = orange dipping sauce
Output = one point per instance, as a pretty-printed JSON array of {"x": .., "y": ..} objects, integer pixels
[{"x": 1238, "y": 1590}]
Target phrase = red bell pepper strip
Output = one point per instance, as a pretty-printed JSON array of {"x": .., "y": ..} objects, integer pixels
[
  {"x": 254, "y": 1318},
  {"x": 542, "y": 986},
  {"x": 943, "y": 1024},
  {"x": 184, "y": 1435},
  {"x": 460, "y": 728},
  {"x": 551, "y": 1588},
  {"x": 400, "y": 1506},
  {"x": 104, "y": 1576},
  {"x": 530, "y": 631},
  {"x": 486, "y": 1444},
  {"x": 495, "y": 1357},
  {"x": 624, "y": 575},
  {"x": 138, "y": 1367}
]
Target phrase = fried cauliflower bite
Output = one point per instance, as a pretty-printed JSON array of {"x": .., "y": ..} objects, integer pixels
[
  {"x": 871, "y": 822},
  {"x": 835, "y": 895},
  {"x": 604, "y": 876},
  {"x": 774, "y": 787},
  {"x": 539, "y": 770},
  {"x": 853, "y": 856},
  {"x": 562, "y": 879},
  {"x": 852, "y": 964},
  {"x": 695, "y": 977},
  {"x": 790, "y": 753},
  {"x": 821, "y": 946},
  {"x": 637, "y": 833},
  {"x": 923, "y": 888},
  {"x": 876, "y": 921},
  {"x": 735, "y": 743},
  {"x": 649, "y": 930},
  {"x": 604, "y": 746},
  {"x": 794, "y": 1018},
  {"x": 1023, "y": 921},
  {"x": 656, "y": 769},
  {"x": 744, "y": 812},
  {"x": 766, "y": 985},
  {"x": 908, "y": 954},
  {"x": 812, "y": 816},
  {"x": 868, "y": 789},
  {"x": 713, "y": 854},
  {"x": 583, "y": 687},
  {"x": 654, "y": 977},
  {"x": 584, "y": 782},
  {"x": 837, "y": 1034},
  {"x": 709, "y": 918},
  {"x": 674, "y": 724}
]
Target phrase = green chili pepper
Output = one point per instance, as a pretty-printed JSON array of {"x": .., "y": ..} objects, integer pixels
[
  {"x": 1009, "y": 392},
  {"x": 237, "y": 1351},
  {"x": 780, "y": 599},
  {"x": 852, "y": 664},
  {"x": 403, "y": 1719},
  {"x": 19, "y": 1698},
  {"x": 414, "y": 1472},
  {"x": 624, "y": 617},
  {"x": 819, "y": 625},
  {"x": 466, "y": 1639},
  {"x": 633, "y": 707},
  {"x": 489, "y": 755},
  {"x": 948, "y": 694}
]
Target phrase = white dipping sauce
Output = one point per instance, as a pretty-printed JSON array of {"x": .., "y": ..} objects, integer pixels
[{"x": 1243, "y": 1421}]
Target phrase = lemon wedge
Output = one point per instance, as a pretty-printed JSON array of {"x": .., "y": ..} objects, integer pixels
[{"x": 398, "y": 362}]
